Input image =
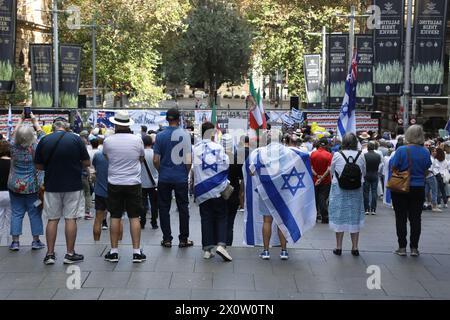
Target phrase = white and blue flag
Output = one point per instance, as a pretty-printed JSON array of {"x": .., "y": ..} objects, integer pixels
[
  {"x": 347, "y": 117},
  {"x": 278, "y": 179},
  {"x": 10, "y": 124},
  {"x": 297, "y": 116},
  {"x": 287, "y": 120},
  {"x": 210, "y": 170}
]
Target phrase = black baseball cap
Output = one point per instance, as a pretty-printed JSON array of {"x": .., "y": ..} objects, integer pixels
[
  {"x": 172, "y": 114},
  {"x": 323, "y": 142}
]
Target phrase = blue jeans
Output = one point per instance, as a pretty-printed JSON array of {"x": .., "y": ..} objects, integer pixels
[
  {"x": 431, "y": 185},
  {"x": 21, "y": 203},
  {"x": 164, "y": 202},
  {"x": 214, "y": 220},
  {"x": 370, "y": 195}
]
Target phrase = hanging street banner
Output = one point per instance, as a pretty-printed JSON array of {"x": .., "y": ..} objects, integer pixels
[
  {"x": 8, "y": 11},
  {"x": 337, "y": 67},
  {"x": 364, "y": 89},
  {"x": 388, "y": 42},
  {"x": 69, "y": 76},
  {"x": 312, "y": 80},
  {"x": 41, "y": 75},
  {"x": 427, "y": 73}
]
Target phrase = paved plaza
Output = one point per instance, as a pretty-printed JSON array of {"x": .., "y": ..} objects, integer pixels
[{"x": 312, "y": 272}]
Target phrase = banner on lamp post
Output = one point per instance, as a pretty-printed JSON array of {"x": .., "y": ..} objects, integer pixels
[
  {"x": 69, "y": 77},
  {"x": 337, "y": 67},
  {"x": 427, "y": 73},
  {"x": 364, "y": 89},
  {"x": 388, "y": 43},
  {"x": 42, "y": 75},
  {"x": 8, "y": 12},
  {"x": 313, "y": 79}
]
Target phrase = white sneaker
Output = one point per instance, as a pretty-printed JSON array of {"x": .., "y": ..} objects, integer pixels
[
  {"x": 208, "y": 254},
  {"x": 223, "y": 253},
  {"x": 367, "y": 213},
  {"x": 445, "y": 206},
  {"x": 436, "y": 209}
]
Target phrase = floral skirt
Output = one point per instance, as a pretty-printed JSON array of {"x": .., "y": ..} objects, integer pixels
[{"x": 346, "y": 209}]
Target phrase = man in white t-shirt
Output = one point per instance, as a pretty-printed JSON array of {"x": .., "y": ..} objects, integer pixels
[{"x": 125, "y": 152}]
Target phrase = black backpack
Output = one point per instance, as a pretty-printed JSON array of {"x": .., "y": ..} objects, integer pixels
[{"x": 350, "y": 178}]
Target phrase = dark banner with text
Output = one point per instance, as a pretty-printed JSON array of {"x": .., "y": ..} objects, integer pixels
[
  {"x": 337, "y": 67},
  {"x": 364, "y": 89},
  {"x": 8, "y": 11},
  {"x": 41, "y": 75},
  {"x": 388, "y": 43},
  {"x": 69, "y": 75},
  {"x": 427, "y": 73},
  {"x": 312, "y": 80}
]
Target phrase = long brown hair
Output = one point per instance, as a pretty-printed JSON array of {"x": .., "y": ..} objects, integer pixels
[{"x": 440, "y": 154}]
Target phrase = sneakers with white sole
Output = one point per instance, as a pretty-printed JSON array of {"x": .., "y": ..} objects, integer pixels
[
  {"x": 265, "y": 255},
  {"x": 208, "y": 254},
  {"x": 221, "y": 251}
]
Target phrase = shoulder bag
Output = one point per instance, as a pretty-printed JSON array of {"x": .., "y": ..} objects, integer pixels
[{"x": 399, "y": 181}]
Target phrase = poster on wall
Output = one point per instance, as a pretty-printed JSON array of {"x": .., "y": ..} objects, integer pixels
[
  {"x": 8, "y": 11},
  {"x": 388, "y": 42},
  {"x": 337, "y": 68},
  {"x": 202, "y": 116},
  {"x": 427, "y": 73},
  {"x": 69, "y": 75},
  {"x": 41, "y": 75},
  {"x": 364, "y": 89},
  {"x": 312, "y": 80}
]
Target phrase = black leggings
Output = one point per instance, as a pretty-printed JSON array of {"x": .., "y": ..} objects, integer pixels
[{"x": 441, "y": 194}]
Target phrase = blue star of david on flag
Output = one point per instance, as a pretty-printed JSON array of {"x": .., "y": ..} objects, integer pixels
[
  {"x": 205, "y": 165},
  {"x": 293, "y": 188}
]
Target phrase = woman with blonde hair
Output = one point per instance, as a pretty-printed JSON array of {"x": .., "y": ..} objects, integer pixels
[{"x": 24, "y": 183}]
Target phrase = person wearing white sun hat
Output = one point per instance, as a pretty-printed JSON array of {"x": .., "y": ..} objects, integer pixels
[{"x": 125, "y": 152}]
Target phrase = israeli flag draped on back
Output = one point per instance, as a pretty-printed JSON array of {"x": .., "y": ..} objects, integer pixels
[
  {"x": 347, "y": 116},
  {"x": 283, "y": 181},
  {"x": 210, "y": 170}
]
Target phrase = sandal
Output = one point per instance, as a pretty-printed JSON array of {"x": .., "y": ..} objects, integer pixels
[
  {"x": 185, "y": 244},
  {"x": 166, "y": 243}
]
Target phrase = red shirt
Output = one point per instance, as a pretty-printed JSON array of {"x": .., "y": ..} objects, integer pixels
[{"x": 320, "y": 161}]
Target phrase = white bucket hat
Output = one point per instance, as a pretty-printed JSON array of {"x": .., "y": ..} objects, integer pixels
[{"x": 121, "y": 118}]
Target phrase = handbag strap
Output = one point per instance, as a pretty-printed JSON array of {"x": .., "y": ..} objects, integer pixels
[
  {"x": 148, "y": 172},
  {"x": 54, "y": 149}
]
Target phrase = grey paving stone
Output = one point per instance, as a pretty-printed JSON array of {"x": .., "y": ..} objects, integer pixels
[
  {"x": 274, "y": 282},
  {"x": 21, "y": 280},
  {"x": 211, "y": 294},
  {"x": 252, "y": 266},
  {"x": 81, "y": 294},
  {"x": 291, "y": 267},
  {"x": 59, "y": 279},
  {"x": 96, "y": 264},
  {"x": 153, "y": 280},
  {"x": 213, "y": 265},
  {"x": 404, "y": 288},
  {"x": 168, "y": 294},
  {"x": 256, "y": 295},
  {"x": 128, "y": 265},
  {"x": 32, "y": 294},
  {"x": 416, "y": 272},
  {"x": 191, "y": 280},
  {"x": 443, "y": 260},
  {"x": 325, "y": 285},
  {"x": 294, "y": 295},
  {"x": 237, "y": 281},
  {"x": 336, "y": 296},
  {"x": 437, "y": 289},
  {"x": 123, "y": 294},
  {"x": 313, "y": 256},
  {"x": 170, "y": 264},
  {"x": 4, "y": 293},
  {"x": 107, "y": 280},
  {"x": 440, "y": 272}
]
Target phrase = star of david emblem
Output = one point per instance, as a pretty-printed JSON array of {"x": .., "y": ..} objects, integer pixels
[
  {"x": 205, "y": 165},
  {"x": 293, "y": 188}
]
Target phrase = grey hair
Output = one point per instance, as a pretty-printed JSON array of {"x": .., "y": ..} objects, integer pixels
[
  {"x": 59, "y": 125},
  {"x": 25, "y": 136},
  {"x": 415, "y": 135},
  {"x": 350, "y": 142}
]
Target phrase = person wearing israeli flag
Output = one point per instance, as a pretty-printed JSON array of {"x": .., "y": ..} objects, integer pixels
[
  {"x": 210, "y": 166},
  {"x": 277, "y": 179}
]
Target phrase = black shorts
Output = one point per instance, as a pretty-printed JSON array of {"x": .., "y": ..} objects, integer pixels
[
  {"x": 125, "y": 198},
  {"x": 100, "y": 203}
]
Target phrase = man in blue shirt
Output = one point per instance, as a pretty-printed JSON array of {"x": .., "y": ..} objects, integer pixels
[{"x": 172, "y": 158}]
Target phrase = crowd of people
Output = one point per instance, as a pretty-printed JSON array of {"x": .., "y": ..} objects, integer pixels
[{"x": 56, "y": 176}]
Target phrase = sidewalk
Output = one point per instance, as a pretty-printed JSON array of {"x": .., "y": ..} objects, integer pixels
[{"x": 312, "y": 272}]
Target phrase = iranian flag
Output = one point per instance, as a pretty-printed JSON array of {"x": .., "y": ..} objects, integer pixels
[{"x": 255, "y": 103}]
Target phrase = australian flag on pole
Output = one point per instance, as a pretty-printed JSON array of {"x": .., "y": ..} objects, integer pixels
[{"x": 347, "y": 118}]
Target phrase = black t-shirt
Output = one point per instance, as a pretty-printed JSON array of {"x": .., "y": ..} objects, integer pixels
[
  {"x": 5, "y": 165},
  {"x": 63, "y": 171},
  {"x": 373, "y": 161}
]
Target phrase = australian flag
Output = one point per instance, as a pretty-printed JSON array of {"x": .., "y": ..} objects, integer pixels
[{"x": 347, "y": 118}]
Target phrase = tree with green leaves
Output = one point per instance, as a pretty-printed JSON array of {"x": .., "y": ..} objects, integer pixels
[{"x": 215, "y": 47}]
